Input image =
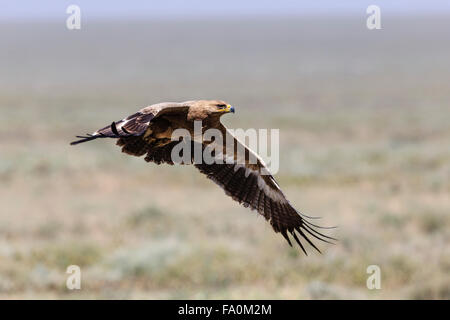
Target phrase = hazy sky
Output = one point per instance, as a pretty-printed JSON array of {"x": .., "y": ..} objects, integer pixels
[{"x": 54, "y": 9}]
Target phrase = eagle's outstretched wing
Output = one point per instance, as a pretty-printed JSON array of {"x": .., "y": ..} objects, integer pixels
[
  {"x": 253, "y": 186},
  {"x": 136, "y": 124}
]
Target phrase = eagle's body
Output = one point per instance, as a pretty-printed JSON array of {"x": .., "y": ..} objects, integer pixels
[{"x": 149, "y": 132}]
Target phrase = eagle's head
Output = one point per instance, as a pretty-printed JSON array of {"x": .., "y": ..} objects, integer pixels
[{"x": 218, "y": 107}]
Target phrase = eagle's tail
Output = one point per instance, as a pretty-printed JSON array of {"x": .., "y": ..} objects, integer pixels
[
  {"x": 87, "y": 137},
  {"x": 106, "y": 132}
]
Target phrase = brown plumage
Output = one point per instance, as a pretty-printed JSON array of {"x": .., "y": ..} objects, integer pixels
[{"x": 149, "y": 131}]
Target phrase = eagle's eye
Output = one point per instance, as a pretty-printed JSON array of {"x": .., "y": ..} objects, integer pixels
[{"x": 221, "y": 106}]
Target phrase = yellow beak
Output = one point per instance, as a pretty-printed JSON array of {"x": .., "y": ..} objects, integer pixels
[{"x": 229, "y": 108}]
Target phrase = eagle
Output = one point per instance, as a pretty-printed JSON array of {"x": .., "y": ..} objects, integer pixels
[{"x": 150, "y": 131}]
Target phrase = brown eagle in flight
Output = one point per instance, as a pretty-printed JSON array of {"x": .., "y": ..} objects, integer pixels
[{"x": 149, "y": 132}]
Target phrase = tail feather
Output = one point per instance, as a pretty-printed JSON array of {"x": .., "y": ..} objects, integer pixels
[
  {"x": 86, "y": 138},
  {"x": 110, "y": 131}
]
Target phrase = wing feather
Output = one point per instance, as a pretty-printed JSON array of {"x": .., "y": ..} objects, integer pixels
[
  {"x": 250, "y": 185},
  {"x": 135, "y": 124}
]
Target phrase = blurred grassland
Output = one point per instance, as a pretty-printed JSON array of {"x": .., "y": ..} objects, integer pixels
[{"x": 364, "y": 143}]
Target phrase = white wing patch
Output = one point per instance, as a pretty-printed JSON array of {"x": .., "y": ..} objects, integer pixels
[{"x": 276, "y": 195}]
